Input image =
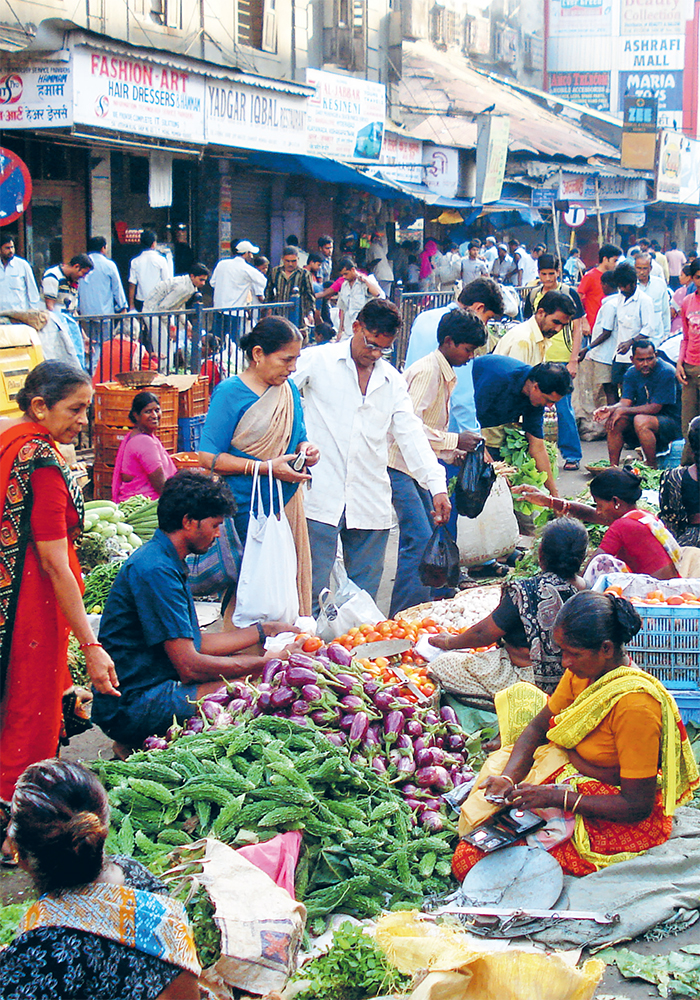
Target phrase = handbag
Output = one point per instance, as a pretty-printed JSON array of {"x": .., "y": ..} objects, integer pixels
[
  {"x": 217, "y": 570},
  {"x": 267, "y": 586}
]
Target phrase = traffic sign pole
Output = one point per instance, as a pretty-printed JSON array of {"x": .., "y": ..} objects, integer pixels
[{"x": 15, "y": 187}]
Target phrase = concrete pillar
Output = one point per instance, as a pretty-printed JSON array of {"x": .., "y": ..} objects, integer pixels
[{"x": 101, "y": 194}]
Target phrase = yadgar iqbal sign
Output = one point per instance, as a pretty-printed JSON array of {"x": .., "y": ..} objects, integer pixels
[
  {"x": 255, "y": 118},
  {"x": 140, "y": 96}
]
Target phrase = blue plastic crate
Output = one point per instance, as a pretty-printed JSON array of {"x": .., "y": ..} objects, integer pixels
[
  {"x": 688, "y": 705},
  {"x": 668, "y": 645},
  {"x": 189, "y": 432},
  {"x": 670, "y": 458}
]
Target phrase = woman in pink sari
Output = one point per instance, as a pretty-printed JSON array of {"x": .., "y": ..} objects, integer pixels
[{"x": 142, "y": 465}]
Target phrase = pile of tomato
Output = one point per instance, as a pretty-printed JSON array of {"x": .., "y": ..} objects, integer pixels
[
  {"x": 685, "y": 599},
  {"x": 412, "y": 665}
]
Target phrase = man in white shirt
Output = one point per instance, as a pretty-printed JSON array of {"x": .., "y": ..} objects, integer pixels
[
  {"x": 147, "y": 269},
  {"x": 635, "y": 319},
  {"x": 18, "y": 291},
  {"x": 472, "y": 267},
  {"x": 675, "y": 259},
  {"x": 235, "y": 282},
  {"x": 490, "y": 252},
  {"x": 352, "y": 399},
  {"x": 528, "y": 263},
  {"x": 657, "y": 291},
  {"x": 601, "y": 352},
  {"x": 517, "y": 253},
  {"x": 355, "y": 292}
]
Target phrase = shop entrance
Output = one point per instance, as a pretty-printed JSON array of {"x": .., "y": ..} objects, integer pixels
[{"x": 55, "y": 223}]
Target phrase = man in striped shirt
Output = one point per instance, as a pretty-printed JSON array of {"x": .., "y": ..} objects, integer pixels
[{"x": 431, "y": 381}]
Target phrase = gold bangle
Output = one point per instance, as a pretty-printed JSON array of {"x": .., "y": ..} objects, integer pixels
[
  {"x": 508, "y": 778},
  {"x": 577, "y": 802},
  {"x": 566, "y": 799}
]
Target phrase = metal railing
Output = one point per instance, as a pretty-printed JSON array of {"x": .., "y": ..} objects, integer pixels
[{"x": 410, "y": 304}]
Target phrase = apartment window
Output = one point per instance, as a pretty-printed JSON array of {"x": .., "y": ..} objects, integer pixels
[{"x": 165, "y": 12}]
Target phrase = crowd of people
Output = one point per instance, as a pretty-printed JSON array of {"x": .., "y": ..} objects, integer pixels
[{"x": 349, "y": 438}]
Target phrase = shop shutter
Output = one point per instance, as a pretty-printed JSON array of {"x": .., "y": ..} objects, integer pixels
[{"x": 250, "y": 209}]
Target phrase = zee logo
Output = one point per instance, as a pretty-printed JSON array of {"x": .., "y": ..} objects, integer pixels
[{"x": 10, "y": 88}]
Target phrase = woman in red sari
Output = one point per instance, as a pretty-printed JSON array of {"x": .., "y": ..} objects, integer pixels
[{"x": 40, "y": 579}]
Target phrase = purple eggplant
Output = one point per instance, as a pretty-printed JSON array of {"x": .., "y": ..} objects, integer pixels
[
  {"x": 237, "y": 706},
  {"x": 172, "y": 732},
  {"x": 300, "y": 720},
  {"x": 210, "y": 709},
  {"x": 357, "y": 758},
  {"x": 404, "y": 742},
  {"x": 434, "y": 777},
  {"x": 339, "y": 654},
  {"x": 431, "y": 718},
  {"x": 311, "y": 693},
  {"x": 320, "y": 717},
  {"x": 271, "y": 668},
  {"x": 370, "y": 688},
  {"x": 223, "y": 721},
  {"x": 282, "y": 697},
  {"x": 424, "y": 756},
  {"x": 264, "y": 701},
  {"x": 347, "y": 682},
  {"x": 302, "y": 660},
  {"x": 412, "y": 803},
  {"x": 346, "y": 722},
  {"x": 413, "y": 728},
  {"x": 448, "y": 714},
  {"x": 378, "y": 765},
  {"x": 393, "y": 726},
  {"x": 384, "y": 700},
  {"x": 431, "y": 821},
  {"x": 351, "y": 703},
  {"x": 410, "y": 789},
  {"x": 297, "y": 676},
  {"x": 359, "y": 728},
  {"x": 455, "y": 742},
  {"x": 409, "y": 710},
  {"x": 194, "y": 725},
  {"x": 373, "y": 736},
  {"x": 406, "y": 767},
  {"x": 338, "y": 739},
  {"x": 300, "y": 707},
  {"x": 155, "y": 743},
  {"x": 220, "y": 697}
]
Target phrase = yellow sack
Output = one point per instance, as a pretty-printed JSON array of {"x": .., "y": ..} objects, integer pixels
[{"x": 459, "y": 969}]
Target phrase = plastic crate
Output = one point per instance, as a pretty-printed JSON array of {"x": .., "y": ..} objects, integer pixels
[
  {"x": 688, "y": 705},
  {"x": 195, "y": 400},
  {"x": 670, "y": 458},
  {"x": 668, "y": 645},
  {"x": 190, "y": 432},
  {"x": 106, "y": 442},
  {"x": 113, "y": 402},
  {"x": 102, "y": 481}
]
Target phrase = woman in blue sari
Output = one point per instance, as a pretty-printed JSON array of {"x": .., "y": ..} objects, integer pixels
[{"x": 256, "y": 419}]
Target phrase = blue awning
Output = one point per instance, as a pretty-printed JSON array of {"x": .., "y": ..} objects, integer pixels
[{"x": 322, "y": 168}]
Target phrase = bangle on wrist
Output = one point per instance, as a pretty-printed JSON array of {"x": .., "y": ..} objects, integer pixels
[
  {"x": 261, "y": 633},
  {"x": 88, "y": 645},
  {"x": 508, "y": 778},
  {"x": 575, "y": 806},
  {"x": 566, "y": 800}
]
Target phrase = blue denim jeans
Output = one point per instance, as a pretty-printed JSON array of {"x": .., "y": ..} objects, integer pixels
[
  {"x": 363, "y": 554},
  {"x": 567, "y": 434},
  {"x": 412, "y": 505}
]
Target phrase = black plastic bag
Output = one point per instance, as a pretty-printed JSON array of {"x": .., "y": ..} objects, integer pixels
[
  {"x": 474, "y": 483},
  {"x": 439, "y": 566}
]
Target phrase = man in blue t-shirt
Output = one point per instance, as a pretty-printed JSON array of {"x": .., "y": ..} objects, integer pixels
[
  {"x": 506, "y": 391},
  {"x": 150, "y": 629},
  {"x": 649, "y": 413}
]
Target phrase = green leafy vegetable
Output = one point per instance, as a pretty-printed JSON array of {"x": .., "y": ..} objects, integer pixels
[
  {"x": 10, "y": 917},
  {"x": 515, "y": 452},
  {"x": 354, "y": 968},
  {"x": 677, "y": 973}
]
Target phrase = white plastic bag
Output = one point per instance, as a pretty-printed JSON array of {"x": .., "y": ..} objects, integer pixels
[
  {"x": 344, "y": 606},
  {"x": 267, "y": 586},
  {"x": 493, "y": 533}
]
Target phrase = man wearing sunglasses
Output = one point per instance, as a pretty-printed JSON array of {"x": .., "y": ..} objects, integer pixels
[{"x": 353, "y": 398}]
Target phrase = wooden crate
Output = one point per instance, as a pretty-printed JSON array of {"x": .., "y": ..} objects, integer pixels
[
  {"x": 195, "y": 400},
  {"x": 102, "y": 481},
  {"x": 106, "y": 441},
  {"x": 112, "y": 404}
]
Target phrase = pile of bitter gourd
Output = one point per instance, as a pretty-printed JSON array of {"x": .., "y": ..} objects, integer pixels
[{"x": 361, "y": 850}]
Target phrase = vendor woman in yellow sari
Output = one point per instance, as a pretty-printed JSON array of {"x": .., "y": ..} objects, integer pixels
[
  {"x": 607, "y": 756},
  {"x": 257, "y": 418}
]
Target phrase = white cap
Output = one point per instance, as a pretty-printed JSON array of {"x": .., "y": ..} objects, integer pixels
[
  {"x": 245, "y": 246},
  {"x": 490, "y": 239}
]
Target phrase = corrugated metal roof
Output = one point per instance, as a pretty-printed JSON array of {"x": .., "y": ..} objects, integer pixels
[
  {"x": 593, "y": 168},
  {"x": 435, "y": 83}
]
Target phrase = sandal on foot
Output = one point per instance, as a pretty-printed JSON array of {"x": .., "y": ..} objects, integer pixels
[{"x": 571, "y": 466}]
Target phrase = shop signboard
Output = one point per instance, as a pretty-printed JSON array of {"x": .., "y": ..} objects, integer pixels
[
  {"x": 345, "y": 117},
  {"x": 678, "y": 169},
  {"x": 404, "y": 156},
  {"x": 582, "y": 188},
  {"x": 640, "y": 113},
  {"x": 662, "y": 17},
  {"x": 491, "y": 156},
  {"x": 590, "y": 89},
  {"x": 579, "y": 17},
  {"x": 543, "y": 197},
  {"x": 254, "y": 117},
  {"x": 139, "y": 96},
  {"x": 667, "y": 88},
  {"x": 652, "y": 52},
  {"x": 441, "y": 167},
  {"x": 39, "y": 95}
]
